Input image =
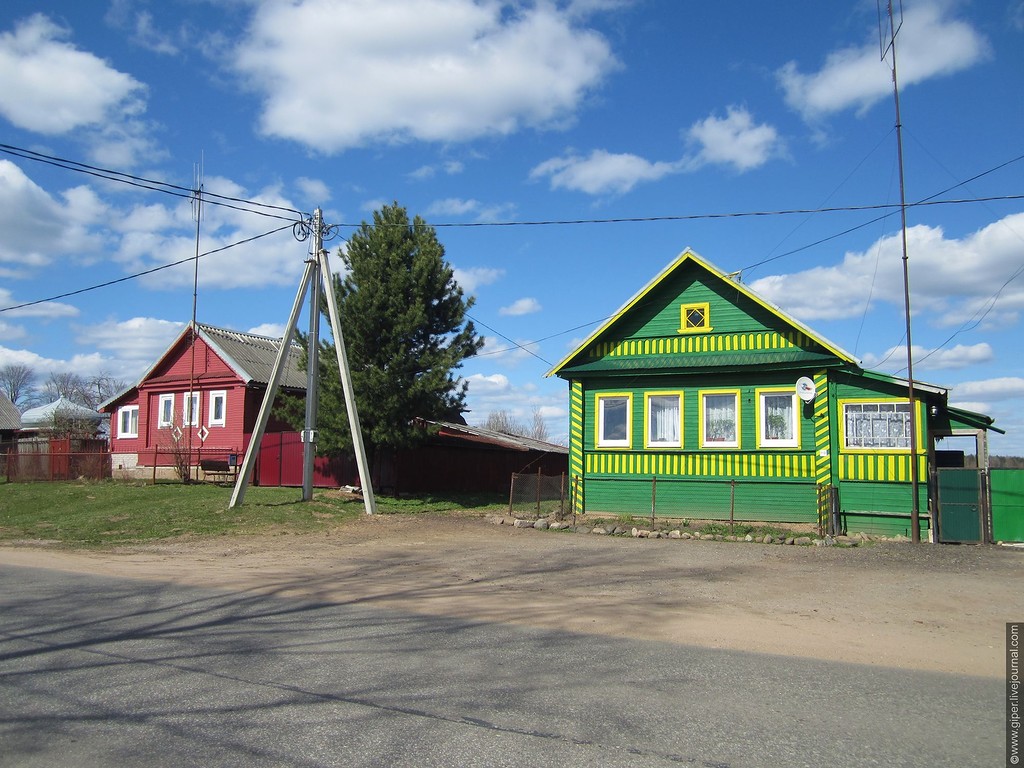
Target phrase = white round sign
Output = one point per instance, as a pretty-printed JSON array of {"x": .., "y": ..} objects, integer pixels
[{"x": 805, "y": 389}]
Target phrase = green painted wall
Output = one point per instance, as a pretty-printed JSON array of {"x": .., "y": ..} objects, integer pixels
[
  {"x": 1007, "y": 504},
  {"x": 636, "y": 387},
  {"x": 703, "y": 500}
]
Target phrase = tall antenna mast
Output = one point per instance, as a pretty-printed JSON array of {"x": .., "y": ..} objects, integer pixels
[
  {"x": 887, "y": 43},
  {"x": 191, "y": 405}
]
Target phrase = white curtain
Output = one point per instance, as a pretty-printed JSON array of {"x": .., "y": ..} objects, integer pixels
[
  {"x": 664, "y": 415},
  {"x": 720, "y": 418},
  {"x": 778, "y": 417}
]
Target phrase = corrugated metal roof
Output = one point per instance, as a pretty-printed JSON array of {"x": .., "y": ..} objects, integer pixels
[
  {"x": 696, "y": 363},
  {"x": 43, "y": 415},
  {"x": 252, "y": 357},
  {"x": 515, "y": 442},
  {"x": 9, "y": 416}
]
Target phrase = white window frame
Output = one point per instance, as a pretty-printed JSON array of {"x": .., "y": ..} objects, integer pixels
[
  {"x": 649, "y": 414},
  {"x": 705, "y": 442},
  {"x": 190, "y": 409},
  {"x": 222, "y": 395},
  {"x": 165, "y": 414},
  {"x": 131, "y": 413},
  {"x": 604, "y": 442},
  {"x": 896, "y": 406},
  {"x": 763, "y": 440}
]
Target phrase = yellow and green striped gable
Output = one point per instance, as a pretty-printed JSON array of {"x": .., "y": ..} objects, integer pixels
[{"x": 694, "y": 316}]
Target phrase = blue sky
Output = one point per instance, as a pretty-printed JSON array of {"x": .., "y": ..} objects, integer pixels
[{"x": 677, "y": 114}]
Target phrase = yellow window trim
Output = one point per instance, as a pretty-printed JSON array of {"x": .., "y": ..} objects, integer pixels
[
  {"x": 776, "y": 444},
  {"x": 598, "y": 397},
  {"x": 918, "y": 419},
  {"x": 739, "y": 418},
  {"x": 647, "y": 417},
  {"x": 705, "y": 308}
]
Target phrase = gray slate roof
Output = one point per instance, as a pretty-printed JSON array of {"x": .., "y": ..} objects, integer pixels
[
  {"x": 9, "y": 416},
  {"x": 252, "y": 357}
]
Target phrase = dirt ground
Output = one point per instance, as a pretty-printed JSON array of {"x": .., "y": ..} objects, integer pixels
[{"x": 929, "y": 607}]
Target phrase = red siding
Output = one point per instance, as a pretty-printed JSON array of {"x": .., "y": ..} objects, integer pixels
[{"x": 174, "y": 375}]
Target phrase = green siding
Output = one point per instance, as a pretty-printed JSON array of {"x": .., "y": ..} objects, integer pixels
[
  {"x": 857, "y": 500},
  {"x": 703, "y": 500},
  {"x": 1007, "y": 504}
]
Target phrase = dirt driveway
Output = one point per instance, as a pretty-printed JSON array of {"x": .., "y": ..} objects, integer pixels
[{"x": 929, "y": 607}]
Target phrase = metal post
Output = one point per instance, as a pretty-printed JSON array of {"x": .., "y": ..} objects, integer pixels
[
  {"x": 313, "y": 365},
  {"x": 915, "y": 479},
  {"x": 346, "y": 384},
  {"x": 538, "y": 491}
]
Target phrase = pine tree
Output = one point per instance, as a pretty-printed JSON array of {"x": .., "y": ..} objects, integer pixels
[{"x": 403, "y": 317}]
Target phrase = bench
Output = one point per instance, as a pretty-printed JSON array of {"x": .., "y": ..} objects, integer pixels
[{"x": 218, "y": 470}]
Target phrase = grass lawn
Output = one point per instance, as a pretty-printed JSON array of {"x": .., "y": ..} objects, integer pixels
[{"x": 112, "y": 512}]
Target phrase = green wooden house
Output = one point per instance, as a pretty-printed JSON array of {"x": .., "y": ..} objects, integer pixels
[{"x": 701, "y": 399}]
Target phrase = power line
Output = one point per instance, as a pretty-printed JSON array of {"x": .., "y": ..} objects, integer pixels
[
  {"x": 179, "y": 191},
  {"x": 153, "y": 185},
  {"x": 144, "y": 272}
]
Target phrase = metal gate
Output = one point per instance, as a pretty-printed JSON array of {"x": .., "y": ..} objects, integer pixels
[{"x": 961, "y": 508}]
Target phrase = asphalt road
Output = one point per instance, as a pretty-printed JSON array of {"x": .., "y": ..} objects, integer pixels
[{"x": 110, "y": 672}]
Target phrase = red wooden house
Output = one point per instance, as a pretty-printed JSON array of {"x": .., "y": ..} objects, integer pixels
[
  {"x": 197, "y": 405},
  {"x": 198, "y": 402}
]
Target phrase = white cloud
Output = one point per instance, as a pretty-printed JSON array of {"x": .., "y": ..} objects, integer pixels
[
  {"x": 928, "y": 45},
  {"x": 132, "y": 345},
  {"x": 140, "y": 25},
  {"x": 83, "y": 365},
  {"x": 47, "y": 310},
  {"x": 602, "y": 172},
  {"x": 525, "y": 306},
  {"x": 954, "y": 358},
  {"x": 424, "y": 172},
  {"x": 734, "y": 140},
  {"x": 27, "y": 213},
  {"x": 9, "y": 332},
  {"x": 313, "y": 191},
  {"x": 51, "y": 87},
  {"x": 161, "y": 235},
  {"x": 428, "y": 70},
  {"x": 496, "y": 383},
  {"x": 452, "y": 206},
  {"x": 273, "y": 330},
  {"x": 472, "y": 278},
  {"x": 990, "y": 390},
  {"x": 952, "y": 280}
]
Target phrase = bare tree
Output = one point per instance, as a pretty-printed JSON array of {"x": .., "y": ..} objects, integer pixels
[
  {"x": 101, "y": 387},
  {"x": 539, "y": 431},
  {"x": 89, "y": 391},
  {"x": 65, "y": 384},
  {"x": 16, "y": 381},
  {"x": 504, "y": 422}
]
